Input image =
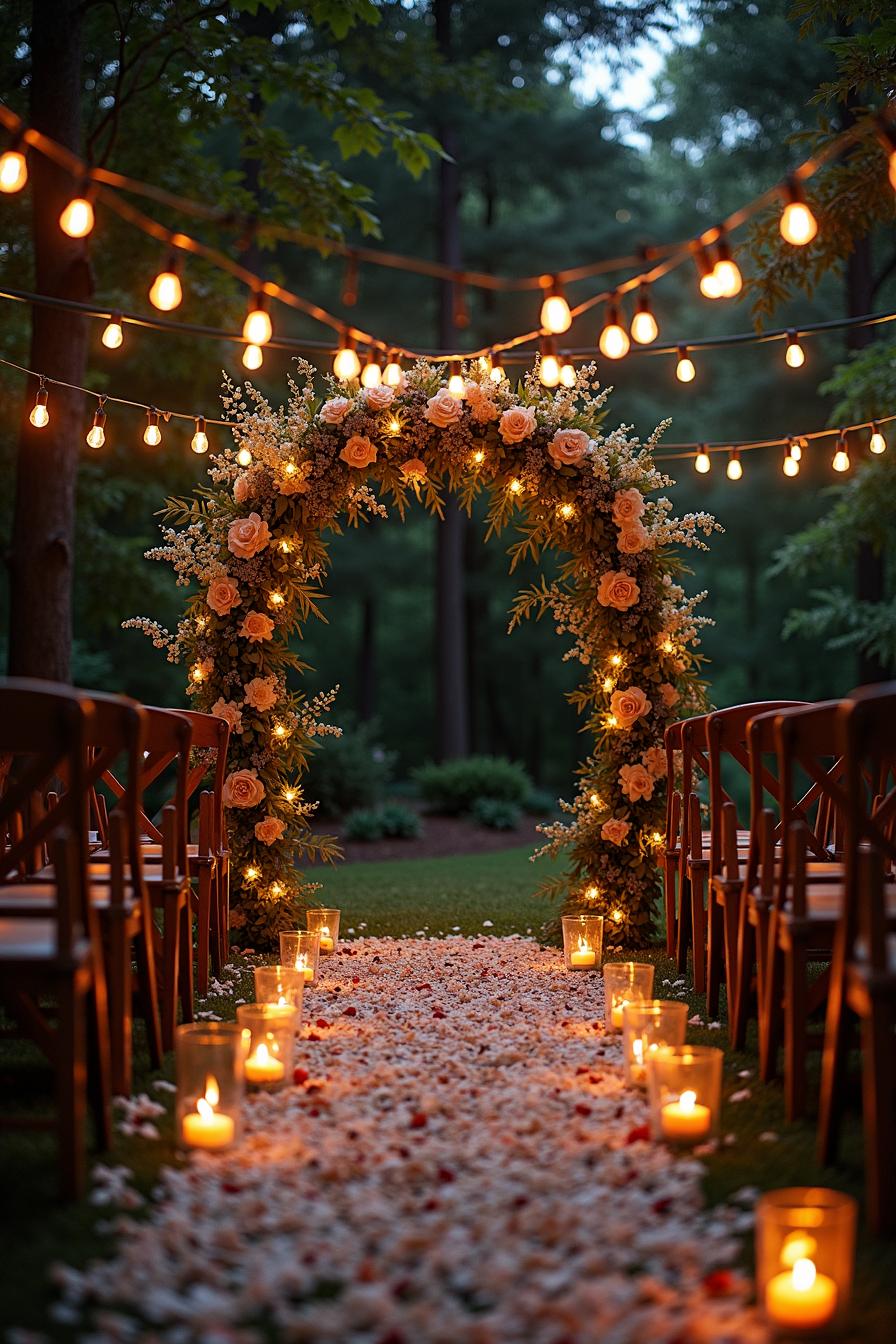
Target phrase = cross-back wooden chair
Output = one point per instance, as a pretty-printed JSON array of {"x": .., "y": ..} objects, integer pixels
[
  {"x": 56, "y": 958},
  {"x": 692, "y": 864},
  {"x": 863, "y": 971},
  {"x": 672, "y": 837}
]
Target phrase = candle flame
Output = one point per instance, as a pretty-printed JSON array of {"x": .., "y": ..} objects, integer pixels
[
  {"x": 301, "y": 960},
  {"x": 687, "y": 1101},
  {"x": 797, "y": 1246},
  {"x": 281, "y": 1002},
  {"x": 584, "y": 945},
  {"x": 212, "y": 1091},
  {"x": 638, "y": 1050},
  {"x": 324, "y": 930},
  {"x": 803, "y": 1275},
  {"x": 262, "y": 1054}
]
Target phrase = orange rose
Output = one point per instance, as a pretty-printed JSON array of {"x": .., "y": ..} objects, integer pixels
[
  {"x": 269, "y": 830},
  {"x": 615, "y": 830},
  {"x": 669, "y": 694},
  {"x": 256, "y": 627},
  {"x": 223, "y": 595},
  {"x": 260, "y": 693},
  {"x": 230, "y": 713},
  {"x": 629, "y": 706},
  {"x": 241, "y": 489},
  {"x": 654, "y": 759},
  {"x": 517, "y": 423},
  {"x": 631, "y": 540},
  {"x": 628, "y": 507},
  {"x": 243, "y": 788},
  {"x": 618, "y": 589},
  {"x": 334, "y": 411},
  {"x": 359, "y": 452},
  {"x": 413, "y": 469},
  {"x": 247, "y": 536},
  {"x": 567, "y": 447},
  {"x": 443, "y": 409},
  {"x": 636, "y": 782}
]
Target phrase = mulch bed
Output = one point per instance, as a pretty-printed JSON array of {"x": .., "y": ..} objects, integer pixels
[{"x": 443, "y": 837}]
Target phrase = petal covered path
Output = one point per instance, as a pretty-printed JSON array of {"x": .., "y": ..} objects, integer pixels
[{"x": 458, "y": 1160}]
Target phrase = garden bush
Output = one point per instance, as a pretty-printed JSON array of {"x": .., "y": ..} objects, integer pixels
[
  {"x": 496, "y": 813},
  {"x": 364, "y": 824},
  {"x": 454, "y": 786},
  {"x": 540, "y": 803},
  {"x": 392, "y": 821},
  {"x": 349, "y": 772}
]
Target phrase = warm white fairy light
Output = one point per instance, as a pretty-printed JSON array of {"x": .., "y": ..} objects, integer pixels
[
  {"x": 197, "y": 673},
  {"x": 152, "y": 435},
  {"x": 515, "y": 486},
  {"x": 251, "y": 874},
  {"x": 244, "y": 457},
  {"x": 290, "y": 794},
  {"x": 276, "y": 598},
  {"x": 798, "y": 224},
  {"x": 567, "y": 373},
  {"x": 77, "y": 219},
  {"x": 96, "y": 435},
  {"x": 346, "y": 364},
  {"x": 710, "y": 285},
  {"x": 841, "y": 456},
  {"x": 567, "y": 511},
  {"x": 877, "y": 443},
  {"x": 797, "y": 448},
  {"x": 790, "y": 466},
  {"x": 549, "y": 367},
  {"x": 372, "y": 373},
  {"x": 113, "y": 333},
  {"x": 166, "y": 292},
  {"x": 478, "y": 457},
  {"x": 644, "y": 327},
  {"x": 734, "y": 470},
  {"x": 392, "y": 373},
  {"x": 684, "y": 369},
  {"x": 497, "y": 374},
  {"x": 199, "y": 441},
  {"x": 457, "y": 387},
  {"x": 594, "y": 799},
  {"x": 555, "y": 315},
  {"x": 257, "y": 328},
  {"x": 795, "y": 355},
  {"x": 726, "y": 271},
  {"x": 13, "y": 169},
  {"x": 253, "y": 357},
  {"x": 702, "y": 462},
  {"x": 40, "y": 416},
  {"x": 614, "y": 342}
]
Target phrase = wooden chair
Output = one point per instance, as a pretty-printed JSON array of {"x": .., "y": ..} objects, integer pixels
[
  {"x": 692, "y": 866},
  {"x": 672, "y": 838}
]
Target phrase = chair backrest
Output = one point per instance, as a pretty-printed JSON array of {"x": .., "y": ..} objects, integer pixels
[
  {"x": 868, "y": 727},
  {"x": 211, "y": 736},
  {"x": 117, "y": 739},
  {"x": 167, "y": 736},
  {"x": 692, "y": 739}
]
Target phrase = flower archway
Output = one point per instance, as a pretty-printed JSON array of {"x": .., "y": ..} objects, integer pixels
[{"x": 253, "y": 542}]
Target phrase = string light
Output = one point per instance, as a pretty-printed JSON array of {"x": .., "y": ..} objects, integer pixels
[
  {"x": 113, "y": 333},
  {"x": 614, "y": 341},
  {"x": 497, "y": 374},
  {"x": 257, "y": 328},
  {"x": 726, "y": 270},
  {"x": 790, "y": 466},
  {"x": 594, "y": 799},
  {"x": 710, "y": 286},
  {"x": 457, "y": 387},
  {"x": 798, "y": 224},
  {"x": 244, "y": 457},
  {"x": 702, "y": 462},
  {"x": 197, "y": 673},
  {"x": 276, "y": 599},
  {"x": 199, "y": 441},
  {"x": 77, "y": 219},
  {"x": 371, "y": 374},
  {"x": 566, "y": 511},
  {"x": 841, "y": 457},
  {"x": 392, "y": 373},
  {"x": 555, "y": 315},
  {"x": 166, "y": 292},
  {"x": 515, "y": 486},
  {"x": 253, "y": 357},
  {"x": 644, "y": 325},
  {"x": 549, "y": 367},
  {"x": 616, "y": 660},
  {"x": 592, "y": 893},
  {"x": 684, "y": 369},
  {"x": 277, "y": 890},
  {"x": 152, "y": 435},
  {"x": 734, "y": 470},
  {"x": 346, "y": 364},
  {"x": 877, "y": 443},
  {"x": 797, "y": 448},
  {"x": 795, "y": 356},
  {"x": 251, "y": 873},
  {"x": 96, "y": 435},
  {"x": 567, "y": 373},
  {"x": 13, "y": 169},
  {"x": 290, "y": 794},
  {"x": 478, "y": 457}
]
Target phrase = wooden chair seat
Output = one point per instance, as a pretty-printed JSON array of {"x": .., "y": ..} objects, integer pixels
[
  {"x": 23, "y": 941},
  {"x": 27, "y": 898}
]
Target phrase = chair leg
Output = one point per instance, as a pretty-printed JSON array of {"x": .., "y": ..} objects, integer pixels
[
  {"x": 71, "y": 1090},
  {"x": 148, "y": 990},
  {"x": 738, "y": 1014},
  {"x": 713, "y": 955},
  {"x": 698, "y": 934},
  {"x": 224, "y": 909},
  {"x": 203, "y": 929},
  {"x": 98, "y": 1058},
  {"x": 120, "y": 988},
  {"x": 878, "y": 1111},
  {"x": 216, "y": 949},
  {"x": 834, "y": 1064},
  {"x": 770, "y": 1009},
  {"x": 170, "y": 969},
  {"x": 796, "y": 1018},
  {"x": 185, "y": 969},
  {"x": 684, "y": 924}
]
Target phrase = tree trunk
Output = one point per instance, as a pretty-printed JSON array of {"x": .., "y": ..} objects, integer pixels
[
  {"x": 367, "y": 658},
  {"x": 450, "y": 628},
  {"x": 42, "y": 557}
]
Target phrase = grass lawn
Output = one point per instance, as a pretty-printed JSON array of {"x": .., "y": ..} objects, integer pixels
[{"x": 434, "y": 896}]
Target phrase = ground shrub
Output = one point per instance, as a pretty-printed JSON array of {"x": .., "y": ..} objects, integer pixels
[
  {"x": 453, "y": 787},
  {"x": 349, "y": 772},
  {"x": 496, "y": 813}
]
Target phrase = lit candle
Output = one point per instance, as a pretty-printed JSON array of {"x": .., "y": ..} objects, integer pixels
[
  {"x": 616, "y": 1013},
  {"x": 685, "y": 1120},
  {"x": 326, "y": 942},
  {"x": 302, "y": 965},
  {"x": 800, "y": 1298},
  {"x": 205, "y": 1127},
  {"x": 263, "y": 1067},
  {"x": 638, "y": 1071},
  {"x": 584, "y": 954}
]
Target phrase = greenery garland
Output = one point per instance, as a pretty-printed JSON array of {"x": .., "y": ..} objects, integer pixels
[{"x": 253, "y": 544}]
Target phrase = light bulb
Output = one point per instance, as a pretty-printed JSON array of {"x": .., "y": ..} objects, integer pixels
[
  {"x": 796, "y": 449},
  {"x": 555, "y": 315},
  {"x": 644, "y": 327},
  {"x": 567, "y": 374},
  {"x": 702, "y": 462},
  {"x": 257, "y": 328},
  {"x": 371, "y": 374},
  {"x": 613, "y": 342},
  {"x": 798, "y": 224},
  {"x": 77, "y": 218},
  {"x": 40, "y": 416},
  {"x": 710, "y": 285},
  {"x": 392, "y": 373},
  {"x": 549, "y": 368},
  {"x": 166, "y": 292},
  {"x": 152, "y": 435},
  {"x": 790, "y": 466},
  {"x": 684, "y": 369},
  {"x": 728, "y": 277},
  {"x": 253, "y": 357},
  {"x": 877, "y": 443},
  {"x": 347, "y": 365},
  {"x": 497, "y": 374},
  {"x": 735, "y": 469},
  {"x": 244, "y": 457},
  {"x": 13, "y": 171},
  {"x": 96, "y": 435},
  {"x": 457, "y": 387},
  {"x": 841, "y": 457},
  {"x": 113, "y": 335},
  {"x": 199, "y": 441},
  {"x": 515, "y": 486},
  {"x": 794, "y": 356}
]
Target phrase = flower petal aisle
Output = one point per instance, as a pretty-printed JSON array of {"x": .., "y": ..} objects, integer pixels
[{"x": 458, "y": 1160}]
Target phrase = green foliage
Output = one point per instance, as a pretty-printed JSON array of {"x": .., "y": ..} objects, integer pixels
[
  {"x": 865, "y": 385},
  {"x": 453, "y": 787},
  {"x": 496, "y": 814},
  {"x": 539, "y": 803},
  {"x": 364, "y": 824},
  {"x": 392, "y": 822},
  {"x": 351, "y": 771}
]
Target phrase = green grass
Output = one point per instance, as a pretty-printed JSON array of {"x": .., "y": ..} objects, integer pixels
[{"x": 437, "y": 895}]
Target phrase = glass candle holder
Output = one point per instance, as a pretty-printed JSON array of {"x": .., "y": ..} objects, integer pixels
[
  {"x": 301, "y": 950},
  {"x": 646, "y": 1028},
  {"x": 210, "y": 1087},
  {"x": 684, "y": 1083},
  {"x": 269, "y": 1033},
  {"x": 625, "y": 982},
  {"x": 583, "y": 942},
  {"x": 326, "y": 923},
  {"x": 805, "y": 1248},
  {"x": 280, "y": 985}
]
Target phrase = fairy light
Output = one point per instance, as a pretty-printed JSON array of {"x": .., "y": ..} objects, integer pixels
[
  {"x": 40, "y": 416},
  {"x": 457, "y": 387},
  {"x": 726, "y": 270},
  {"x": 656, "y": 837},
  {"x": 201, "y": 622},
  {"x": 251, "y": 874},
  {"x": 257, "y": 328},
  {"x": 617, "y": 916},
  {"x": 285, "y": 545},
  {"x": 702, "y": 461},
  {"x": 613, "y": 342},
  {"x": 478, "y": 457},
  {"x": 877, "y": 443},
  {"x": 77, "y": 219},
  {"x": 684, "y": 369},
  {"x": 549, "y": 367},
  {"x": 790, "y": 466},
  {"x": 567, "y": 373},
  {"x": 497, "y": 374},
  {"x": 667, "y": 645},
  {"x": 611, "y": 721},
  {"x": 277, "y": 890},
  {"x": 555, "y": 315},
  {"x": 96, "y": 435},
  {"x": 515, "y": 486},
  {"x": 841, "y": 456},
  {"x": 372, "y": 373},
  {"x": 608, "y": 684},
  {"x": 197, "y": 673},
  {"x": 152, "y": 435},
  {"x": 346, "y": 364},
  {"x": 199, "y": 441},
  {"x": 393, "y": 424},
  {"x": 13, "y": 168},
  {"x": 166, "y": 292},
  {"x": 281, "y": 732},
  {"x": 798, "y": 224},
  {"x": 795, "y": 355},
  {"x": 797, "y": 448},
  {"x": 644, "y": 326},
  {"x": 566, "y": 511},
  {"x": 244, "y": 457},
  {"x": 393, "y": 373},
  {"x": 253, "y": 357},
  {"x": 276, "y": 599},
  {"x": 290, "y": 794},
  {"x": 113, "y": 333},
  {"x": 592, "y": 893},
  {"x": 710, "y": 286},
  {"x": 734, "y": 471},
  {"x": 594, "y": 799}
]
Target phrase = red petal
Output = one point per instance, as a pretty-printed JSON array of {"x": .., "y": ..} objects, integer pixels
[
  {"x": 299, "y": 1075},
  {"x": 418, "y": 1120},
  {"x": 640, "y": 1134}
]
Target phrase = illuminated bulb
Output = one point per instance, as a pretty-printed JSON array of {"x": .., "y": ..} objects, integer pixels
[
  {"x": 77, "y": 218},
  {"x": 290, "y": 795},
  {"x": 790, "y": 466},
  {"x": 253, "y": 357},
  {"x": 549, "y": 368},
  {"x": 702, "y": 462},
  {"x": 280, "y": 732},
  {"x": 244, "y": 457},
  {"x": 798, "y": 224},
  {"x": 892, "y": 169},
  {"x": 392, "y": 373},
  {"x": 566, "y": 510},
  {"x": 252, "y": 874},
  {"x": 796, "y": 449},
  {"x": 594, "y": 799},
  {"x": 113, "y": 335},
  {"x": 684, "y": 369},
  {"x": 197, "y": 673},
  {"x": 457, "y": 387},
  {"x": 497, "y": 372},
  {"x": 152, "y": 435},
  {"x": 40, "y": 416},
  {"x": 285, "y": 545},
  {"x": 96, "y": 435},
  {"x": 617, "y": 916},
  {"x": 276, "y": 599},
  {"x": 728, "y": 277},
  {"x": 667, "y": 645},
  {"x": 795, "y": 356},
  {"x": 371, "y": 374},
  {"x": 841, "y": 457},
  {"x": 257, "y": 328},
  {"x": 616, "y": 660},
  {"x": 515, "y": 486},
  {"x": 613, "y": 342},
  {"x": 567, "y": 374},
  {"x": 608, "y": 684},
  {"x": 877, "y": 443},
  {"x": 611, "y": 721},
  {"x": 735, "y": 467},
  {"x": 166, "y": 292},
  {"x": 347, "y": 365},
  {"x": 710, "y": 285},
  {"x": 592, "y": 893},
  {"x": 478, "y": 457},
  {"x": 289, "y": 469},
  {"x": 555, "y": 315},
  {"x": 656, "y": 837},
  {"x": 13, "y": 171},
  {"x": 277, "y": 890},
  {"x": 199, "y": 441},
  {"x": 644, "y": 326},
  {"x": 394, "y": 425}
]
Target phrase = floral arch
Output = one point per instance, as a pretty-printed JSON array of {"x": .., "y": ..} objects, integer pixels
[{"x": 253, "y": 544}]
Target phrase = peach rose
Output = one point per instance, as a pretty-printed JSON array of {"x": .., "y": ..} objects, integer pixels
[
  {"x": 482, "y": 408},
  {"x": 378, "y": 398},
  {"x": 223, "y": 595},
  {"x": 256, "y": 627},
  {"x": 567, "y": 447},
  {"x": 517, "y": 423},
  {"x": 334, "y": 411},
  {"x": 631, "y": 540},
  {"x": 628, "y": 507},
  {"x": 269, "y": 830},
  {"x": 413, "y": 469},
  {"x": 241, "y": 488},
  {"x": 629, "y": 706},
  {"x": 669, "y": 694},
  {"x": 617, "y": 589},
  {"x": 615, "y": 830},
  {"x": 359, "y": 451},
  {"x": 230, "y": 713},
  {"x": 243, "y": 788},
  {"x": 443, "y": 410},
  {"x": 260, "y": 693},
  {"x": 247, "y": 536},
  {"x": 636, "y": 782},
  {"x": 654, "y": 759}
]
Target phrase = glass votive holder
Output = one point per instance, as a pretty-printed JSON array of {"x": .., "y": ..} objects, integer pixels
[
  {"x": 625, "y": 982},
  {"x": 326, "y": 923},
  {"x": 646, "y": 1028},
  {"x": 269, "y": 1033},
  {"x": 805, "y": 1249},
  {"x": 583, "y": 942},
  {"x": 301, "y": 950},
  {"x": 208, "y": 1061},
  {"x": 684, "y": 1084},
  {"x": 280, "y": 985}
]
